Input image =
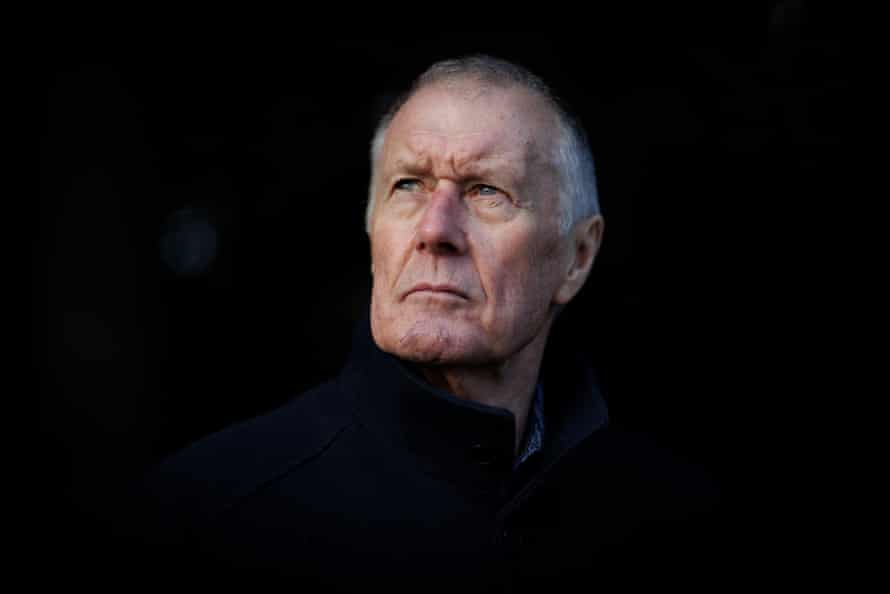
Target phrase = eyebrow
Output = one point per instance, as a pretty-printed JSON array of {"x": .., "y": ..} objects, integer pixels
[
  {"x": 471, "y": 168},
  {"x": 410, "y": 165}
]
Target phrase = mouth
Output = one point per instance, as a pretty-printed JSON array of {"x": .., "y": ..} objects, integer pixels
[{"x": 437, "y": 289}]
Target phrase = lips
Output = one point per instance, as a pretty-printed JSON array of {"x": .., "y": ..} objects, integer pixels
[{"x": 430, "y": 288}]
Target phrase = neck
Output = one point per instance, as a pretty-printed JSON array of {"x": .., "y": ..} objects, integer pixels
[{"x": 509, "y": 384}]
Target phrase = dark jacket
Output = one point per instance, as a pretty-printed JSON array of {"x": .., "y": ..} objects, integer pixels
[{"x": 377, "y": 478}]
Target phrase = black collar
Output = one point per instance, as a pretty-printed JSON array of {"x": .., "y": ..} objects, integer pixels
[{"x": 466, "y": 443}]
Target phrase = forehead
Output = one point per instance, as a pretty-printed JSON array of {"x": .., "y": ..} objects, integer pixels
[{"x": 472, "y": 127}]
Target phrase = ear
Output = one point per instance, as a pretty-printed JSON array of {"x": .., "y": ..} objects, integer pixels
[{"x": 586, "y": 238}]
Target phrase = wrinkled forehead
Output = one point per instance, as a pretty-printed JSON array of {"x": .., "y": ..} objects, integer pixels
[{"x": 474, "y": 128}]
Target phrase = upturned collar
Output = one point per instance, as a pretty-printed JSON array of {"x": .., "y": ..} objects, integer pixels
[{"x": 464, "y": 442}]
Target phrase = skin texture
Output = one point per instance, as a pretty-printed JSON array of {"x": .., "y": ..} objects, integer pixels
[{"x": 467, "y": 261}]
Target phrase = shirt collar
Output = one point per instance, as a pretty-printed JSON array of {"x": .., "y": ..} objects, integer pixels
[{"x": 534, "y": 433}]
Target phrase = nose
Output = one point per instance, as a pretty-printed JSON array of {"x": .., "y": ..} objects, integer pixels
[{"x": 441, "y": 229}]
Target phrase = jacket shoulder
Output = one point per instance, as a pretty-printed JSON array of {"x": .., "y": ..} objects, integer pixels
[{"x": 219, "y": 469}]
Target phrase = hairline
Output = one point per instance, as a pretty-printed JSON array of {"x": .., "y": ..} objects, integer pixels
[{"x": 566, "y": 139}]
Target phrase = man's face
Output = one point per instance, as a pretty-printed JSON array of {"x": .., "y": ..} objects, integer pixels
[{"x": 466, "y": 256}]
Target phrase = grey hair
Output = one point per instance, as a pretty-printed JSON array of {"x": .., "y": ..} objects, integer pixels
[{"x": 578, "y": 194}]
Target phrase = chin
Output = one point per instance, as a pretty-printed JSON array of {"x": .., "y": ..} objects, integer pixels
[{"x": 430, "y": 340}]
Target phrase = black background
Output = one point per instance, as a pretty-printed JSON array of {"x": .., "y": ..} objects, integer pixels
[{"x": 712, "y": 133}]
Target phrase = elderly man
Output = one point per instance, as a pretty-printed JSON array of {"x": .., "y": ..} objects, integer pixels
[{"x": 449, "y": 452}]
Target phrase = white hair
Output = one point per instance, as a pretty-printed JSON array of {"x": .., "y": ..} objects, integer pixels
[{"x": 572, "y": 157}]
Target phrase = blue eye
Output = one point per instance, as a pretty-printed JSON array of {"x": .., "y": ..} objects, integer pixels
[
  {"x": 493, "y": 196},
  {"x": 409, "y": 185}
]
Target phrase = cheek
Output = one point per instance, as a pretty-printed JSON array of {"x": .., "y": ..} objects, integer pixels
[
  {"x": 523, "y": 278},
  {"x": 382, "y": 252},
  {"x": 391, "y": 246},
  {"x": 378, "y": 265}
]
